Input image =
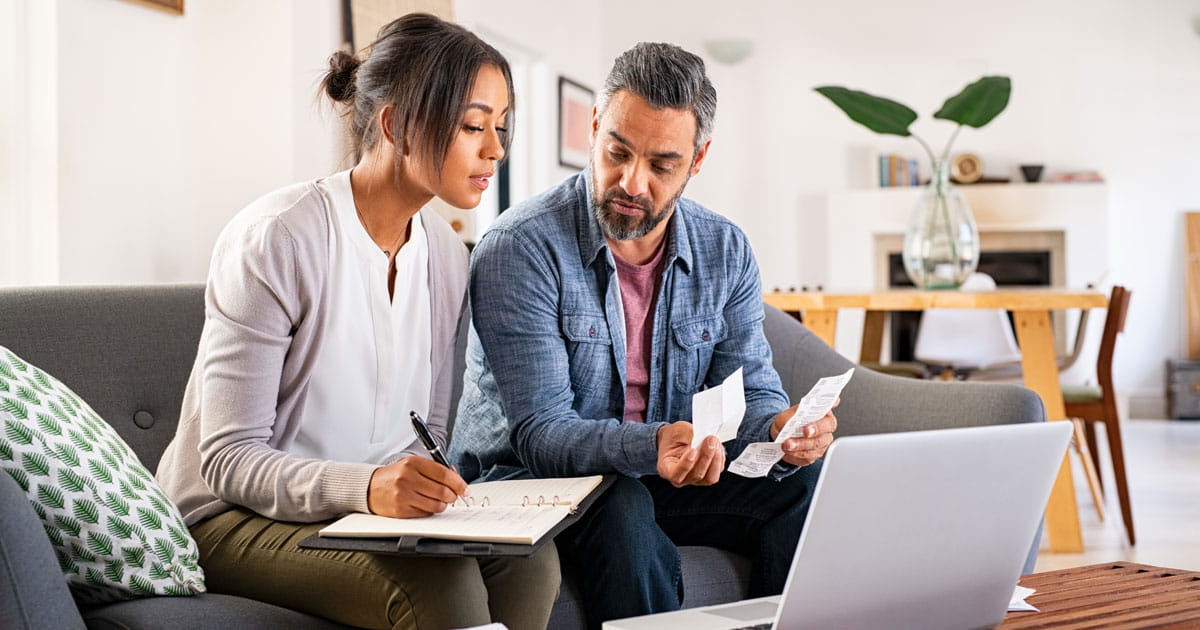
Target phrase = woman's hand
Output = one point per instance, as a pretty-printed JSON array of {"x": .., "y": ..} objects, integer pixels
[{"x": 413, "y": 486}]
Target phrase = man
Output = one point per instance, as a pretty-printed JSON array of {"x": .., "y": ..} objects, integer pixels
[{"x": 599, "y": 308}]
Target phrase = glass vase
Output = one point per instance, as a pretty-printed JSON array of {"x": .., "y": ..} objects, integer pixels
[{"x": 941, "y": 246}]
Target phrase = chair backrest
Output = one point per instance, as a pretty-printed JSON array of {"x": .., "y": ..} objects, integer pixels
[
  {"x": 966, "y": 338},
  {"x": 1114, "y": 324}
]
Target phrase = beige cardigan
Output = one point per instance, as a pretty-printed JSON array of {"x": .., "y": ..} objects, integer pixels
[{"x": 265, "y": 308}]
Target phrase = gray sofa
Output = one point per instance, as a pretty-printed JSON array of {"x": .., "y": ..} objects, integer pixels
[{"x": 128, "y": 351}]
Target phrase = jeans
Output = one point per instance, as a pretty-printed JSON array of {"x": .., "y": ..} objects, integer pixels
[{"x": 624, "y": 549}]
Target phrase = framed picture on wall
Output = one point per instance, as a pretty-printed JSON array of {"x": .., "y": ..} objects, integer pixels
[
  {"x": 172, "y": 6},
  {"x": 574, "y": 123}
]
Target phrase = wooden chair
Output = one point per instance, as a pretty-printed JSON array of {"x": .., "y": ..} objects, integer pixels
[{"x": 1099, "y": 404}]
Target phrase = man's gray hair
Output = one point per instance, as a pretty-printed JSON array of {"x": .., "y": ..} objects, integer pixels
[{"x": 666, "y": 76}]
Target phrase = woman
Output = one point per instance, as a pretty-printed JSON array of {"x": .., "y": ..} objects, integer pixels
[{"x": 332, "y": 310}]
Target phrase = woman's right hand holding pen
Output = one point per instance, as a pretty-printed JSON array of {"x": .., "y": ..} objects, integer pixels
[{"x": 413, "y": 486}]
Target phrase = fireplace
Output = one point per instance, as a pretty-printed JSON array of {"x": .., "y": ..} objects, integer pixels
[
  {"x": 1007, "y": 268},
  {"x": 1013, "y": 259}
]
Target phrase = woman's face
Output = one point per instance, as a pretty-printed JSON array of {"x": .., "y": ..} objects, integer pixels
[{"x": 471, "y": 159}]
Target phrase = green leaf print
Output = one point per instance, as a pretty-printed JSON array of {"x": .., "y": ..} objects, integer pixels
[
  {"x": 58, "y": 412},
  {"x": 114, "y": 570},
  {"x": 134, "y": 556},
  {"x": 40, "y": 378},
  {"x": 178, "y": 538},
  {"x": 99, "y": 544},
  {"x": 36, "y": 464},
  {"x": 17, "y": 363},
  {"x": 140, "y": 585},
  {"x": 119, "y": 528},
  {"x": 69, "y": 525},
  {"x": 18, "y": 476},
  {"x": 109, "y": 459},
  {"x": 85, "y": 511},
  {"x": 65, "y": 563},
  {"x": 6, "y": 370},
  {"x": 67, "y": 454},
  {"x": 127, "y": 491},
  {"x": 28, "y": 395},
  {"x": 81, "y": 554},
  {"x": 78, "y": 440},
  {"x": 163, "y": 550},
  {"x": 41, "y": 511},
  {"x": 71, "y": 480},
  {"x": 51, "y": 496},
  {"x": 158, "y": 572},
  {"x": 100, "y": 472},
  {"x": 6, "y": 452},
  {"x": 149, "y": 519},
  {"x": 158, "y": 504},
  {"x": 49, "y": 425},
  {"x": 16, "y": 431},
  {"x": 173, "y": 589},
  {"x": 116, "y": 504},
  {"x": 54, "y": 534},
  {"x": 94, "y": 577}
]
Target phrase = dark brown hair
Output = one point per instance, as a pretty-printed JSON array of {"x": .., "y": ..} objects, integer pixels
[{"x": 425, "y": 67}]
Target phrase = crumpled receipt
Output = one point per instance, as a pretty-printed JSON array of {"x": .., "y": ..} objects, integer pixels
[{"x": 759, "y": 457}]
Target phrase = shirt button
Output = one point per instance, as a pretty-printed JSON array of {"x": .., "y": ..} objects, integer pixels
[
  {"x": 704, "y": 335},
  {"x": 592, "y": 331}
]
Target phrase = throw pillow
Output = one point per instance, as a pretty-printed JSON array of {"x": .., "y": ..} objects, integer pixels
[{"x": 116, "y": 534}]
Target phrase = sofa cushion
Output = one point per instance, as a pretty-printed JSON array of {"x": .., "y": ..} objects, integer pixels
[{"x": 115, "y": 533}]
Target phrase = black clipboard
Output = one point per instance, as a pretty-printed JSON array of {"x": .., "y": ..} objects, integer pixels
[{"x": 439, "y": 547}]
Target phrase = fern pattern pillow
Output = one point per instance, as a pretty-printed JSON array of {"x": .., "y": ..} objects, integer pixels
[{"x": 116, "y": 534}]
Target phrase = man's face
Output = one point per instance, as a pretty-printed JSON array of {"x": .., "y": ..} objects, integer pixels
[{"x": 642, "y": 158}]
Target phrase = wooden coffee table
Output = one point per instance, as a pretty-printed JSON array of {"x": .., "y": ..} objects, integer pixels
[{"x": 1114, "y": 595}]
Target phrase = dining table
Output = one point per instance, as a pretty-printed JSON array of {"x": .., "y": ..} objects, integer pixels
[{"x": 1031, "y": 309}]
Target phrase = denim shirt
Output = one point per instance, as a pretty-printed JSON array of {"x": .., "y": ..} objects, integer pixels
[{"x": 547, "y": 345}]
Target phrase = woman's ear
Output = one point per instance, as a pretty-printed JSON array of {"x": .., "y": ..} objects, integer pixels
[{"x": 385, "y": 121}]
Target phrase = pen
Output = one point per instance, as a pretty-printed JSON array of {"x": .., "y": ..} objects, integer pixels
[{"x": 427, "y": 441}]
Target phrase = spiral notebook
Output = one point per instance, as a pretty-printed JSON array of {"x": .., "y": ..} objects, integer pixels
[{"x": 515, "y": 512}]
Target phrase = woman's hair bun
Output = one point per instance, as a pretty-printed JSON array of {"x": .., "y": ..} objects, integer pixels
[{"x": 339, "y": 81}]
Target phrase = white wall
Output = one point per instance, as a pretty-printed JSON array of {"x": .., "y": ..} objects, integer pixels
[{"x": 169, "y": 124}]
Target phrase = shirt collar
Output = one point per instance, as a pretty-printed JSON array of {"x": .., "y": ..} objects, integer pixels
[{"x": 593, "y": 244}]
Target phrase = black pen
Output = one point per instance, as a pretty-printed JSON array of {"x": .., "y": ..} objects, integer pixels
[{"x": 427, "y": 441}]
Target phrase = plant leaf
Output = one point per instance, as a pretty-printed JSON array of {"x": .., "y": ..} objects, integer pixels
[
  {"x": 876, "y": 113},
  {"x": 978, "y": 103}
]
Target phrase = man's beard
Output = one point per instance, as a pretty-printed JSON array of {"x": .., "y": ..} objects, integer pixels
[{"x": 623, "y": 227}]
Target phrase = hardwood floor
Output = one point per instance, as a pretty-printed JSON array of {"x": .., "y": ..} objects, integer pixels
[{"x": 1163, "y": 464}]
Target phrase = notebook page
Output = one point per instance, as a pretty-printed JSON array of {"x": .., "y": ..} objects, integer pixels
[
  {"x": 503, "y": 525},
  {"x": 558, "y": 491}
]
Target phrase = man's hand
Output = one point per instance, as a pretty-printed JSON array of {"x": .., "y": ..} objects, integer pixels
[
  {"x": 413, "y": 486},
  {"x": 683, "y": 465},
  {"x": 802, "y": 451}
]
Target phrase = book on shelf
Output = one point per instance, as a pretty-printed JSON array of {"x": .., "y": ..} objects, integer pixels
[
  {"x": 897, "y": 170},
  {"x": 516, "y": 515}
]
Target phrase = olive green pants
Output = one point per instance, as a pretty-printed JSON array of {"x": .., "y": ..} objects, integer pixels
[{"x": 246, "y": 554}]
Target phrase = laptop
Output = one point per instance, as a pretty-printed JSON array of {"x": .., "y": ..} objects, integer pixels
[{"x": 927, "y": 529}]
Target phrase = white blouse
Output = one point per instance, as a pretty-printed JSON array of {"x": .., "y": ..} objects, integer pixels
[{"x": 374, "y": 366}]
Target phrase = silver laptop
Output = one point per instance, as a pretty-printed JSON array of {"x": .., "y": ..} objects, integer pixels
[{"x": 928, "y": 529}]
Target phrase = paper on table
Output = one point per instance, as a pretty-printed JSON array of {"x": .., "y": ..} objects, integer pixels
[
  {"x": 718, "y": 410},
  {"x": 1018, "y": 604},
  {"x": 759, "y": 457}
]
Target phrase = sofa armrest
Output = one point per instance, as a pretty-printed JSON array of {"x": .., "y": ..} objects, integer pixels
[
  {"x": 33, "y": 591},
  {"x": 879, "y": 403}
]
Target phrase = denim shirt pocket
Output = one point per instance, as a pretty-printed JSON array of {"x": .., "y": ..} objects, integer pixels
[
  {"x": 589, "y": 350},
  {"x": 695, "y": 339}
]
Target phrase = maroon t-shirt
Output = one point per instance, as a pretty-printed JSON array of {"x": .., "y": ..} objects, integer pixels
[{"x": 639, "y": 286}]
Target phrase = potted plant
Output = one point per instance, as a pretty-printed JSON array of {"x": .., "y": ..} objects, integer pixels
[{"x": 941, "y": 245}]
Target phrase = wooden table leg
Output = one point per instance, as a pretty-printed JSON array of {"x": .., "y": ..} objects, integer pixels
[
  {"x": 1036, "y": 338},
  {"x": 872, "y": 339},
  {"x": 823, "y": 323}
]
